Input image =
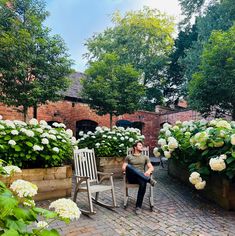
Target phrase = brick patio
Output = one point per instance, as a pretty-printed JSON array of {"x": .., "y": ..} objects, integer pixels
[{"x": 178, "y": 211}]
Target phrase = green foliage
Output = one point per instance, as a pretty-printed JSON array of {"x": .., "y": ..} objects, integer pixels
[
  {"x": 35, "y": 145},
  {"x": 212, "y": 88},
  {"x": 110, "y": 143},
  {"x": 142, "y": 39},
  {"x": 18, "y": 213},
  {"x": 217, "y": 16},
  {"x": 112, "y": 88},
  {"x": 33, "y": 63}
]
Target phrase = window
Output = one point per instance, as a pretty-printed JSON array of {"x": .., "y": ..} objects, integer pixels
[
  {"x": 139, "y": 125},
  {"x": 85, "y": 126},
  {"x": 124, "y": 123}
]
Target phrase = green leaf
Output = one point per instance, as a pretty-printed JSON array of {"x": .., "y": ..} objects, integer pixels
[
  {"x": 25, "y": 214},
  {"x": 18, "y": 225},
  {"x": 17, "y": 148},
  {"x": 52, "y": 232},
  {"x": 230, "y": 160},
  {"x": 46, "y": 213},
  {"x": 10, "y": 232},
  {"x": 29, "y": 144}
]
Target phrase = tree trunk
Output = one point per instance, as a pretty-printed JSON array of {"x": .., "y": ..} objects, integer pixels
[
  {"x": 35, "y": 111},
  {"x": 25, "y": 112},
  {"x": 111, "y": 120}
]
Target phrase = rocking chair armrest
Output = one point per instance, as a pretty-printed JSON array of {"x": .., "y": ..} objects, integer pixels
[{"x": 105, "y": 173}]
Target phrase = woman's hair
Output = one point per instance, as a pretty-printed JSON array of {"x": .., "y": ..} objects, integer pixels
[{"x": 136, "y": 143}]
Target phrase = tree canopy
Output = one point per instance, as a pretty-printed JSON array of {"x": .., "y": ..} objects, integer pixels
[
  {"x": 213, "y": 87},
  {"x": 112, "y": 88},
  {"x": 33, "y": 64},
  {"x": 144, "y": 40}
]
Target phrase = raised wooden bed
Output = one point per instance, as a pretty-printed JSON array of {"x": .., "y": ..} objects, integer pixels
[
  {"x": 218, "y": 189},
  {"x": 55, "y": 182},
  {"x": 111, "y": 164}
]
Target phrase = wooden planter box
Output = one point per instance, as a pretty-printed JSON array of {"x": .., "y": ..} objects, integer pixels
[
  {"x": 218, "y": 189},
  {"x": 54, "y": 182},
  {"x": 111, "y": 164}
]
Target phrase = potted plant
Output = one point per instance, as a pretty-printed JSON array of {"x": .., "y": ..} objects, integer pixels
[
  {"x": 110, "y": 146},
  {"x": 202, "y": 153},
  {"x": 42, "y": 151}
]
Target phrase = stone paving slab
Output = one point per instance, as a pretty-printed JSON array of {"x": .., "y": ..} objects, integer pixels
[{"x": 178, "y": 211}]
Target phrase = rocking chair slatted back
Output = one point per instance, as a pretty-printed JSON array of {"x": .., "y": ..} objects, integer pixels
[{"x": 85, "y": 164}]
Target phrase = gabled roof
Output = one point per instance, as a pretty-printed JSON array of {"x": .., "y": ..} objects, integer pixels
[{"x": 75, "y": 87}]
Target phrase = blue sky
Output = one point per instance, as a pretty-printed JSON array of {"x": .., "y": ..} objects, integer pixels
[{"x": 77, "y": 20}]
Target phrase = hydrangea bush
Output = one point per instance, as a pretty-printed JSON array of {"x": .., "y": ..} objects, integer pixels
[
  {"x": 19, "y": 214},
  {"x": 110, "y": 143},
  {"x": 35, "y": 144},
  {"x": 205, "y": 147}
]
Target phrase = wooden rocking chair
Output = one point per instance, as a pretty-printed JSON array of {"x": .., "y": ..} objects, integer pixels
[
  {"x": 127, "y": 185},
  {"x": 87, "y": 179}
]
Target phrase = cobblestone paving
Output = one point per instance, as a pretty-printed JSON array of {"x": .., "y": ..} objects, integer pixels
[{"x": 178, "y": 211}]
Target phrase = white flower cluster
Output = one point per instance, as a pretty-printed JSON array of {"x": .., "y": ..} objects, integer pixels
[
  {"x": 156, "y": 152},
  {"x": 218, "y": 163},
  {"x": 196, "y": 180},
  {"x": 66, "y": 208},
  {"x": 24, "y": 188},
  {"x": 11, "y": 170},
  {"x": 42, "y": 224},
  {"x": 168, "y": 146}
]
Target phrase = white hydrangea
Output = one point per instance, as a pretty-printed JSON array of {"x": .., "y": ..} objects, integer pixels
[
  {"x": 223, "y": 124},
  {"x": 156, "y": 152},
  {"x": 29, "y": 202},
  {"x": 12, "y": 169},
  {"x": 167, "y": 154},
  {"x": 33, "y": 121},
  {"x": 56, "y": 149},
  {"x": 131, "y": 140},
  {"x": 200, "y": 185},
  {"x": 194, "y": 178},
  {"x": 39, "y": 130},
  {"x": 43, "y": 123},
  {"x": 2, "y": 127},
  {"x": 69, "y": 132},
  {"x": 162, "y": 142},
  {"x": 42, "y": 224},
  {"x": 12, "y": 142},
  {"x": 122, "y": 138},
  {"x": 10, "y": 124},
  {"x": 218, "y": 163},
  {"x": 168, "y": 133},
  {"x": 37, "y": 148},
  {"x": 66, "y": 208},
  {"x": 97, "y": 129},
  {"x": 55, "y": 124},
  {"x": 24, "y": 188},
  {"x": 52, "y": 136},
  {"x": 172, "y": 143},
  {"x": 45, "y": 141},
  {"x": 97, "y": 144},
  {"x": 232, "y": 139},
  {"x": 29, "y": 133},
  {"x": 166, "y": 126},
  {"x": 14, "y": 132}
]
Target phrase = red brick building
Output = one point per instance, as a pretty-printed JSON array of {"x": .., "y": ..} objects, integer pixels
[{"x": 77, "y": 115}]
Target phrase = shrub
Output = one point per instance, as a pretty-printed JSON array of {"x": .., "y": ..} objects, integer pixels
[
  {"x": 18, "y": 210},
  {"x": 35, "y": 144},
  {"x": 110, "y": 143},
  {"x": 205, "y": 147}
]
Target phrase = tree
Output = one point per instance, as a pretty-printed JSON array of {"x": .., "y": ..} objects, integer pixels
[
  {"x": 143, "y": 39},
  {"x": 212, "y": 88},
  {"x": 112, "y": 88},
  {"x": 218, "y": 16},
  {"x": 33, "y": 64},
  {"x": 175, "y": 85}
]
